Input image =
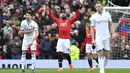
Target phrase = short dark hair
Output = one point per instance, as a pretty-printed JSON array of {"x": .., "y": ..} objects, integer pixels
[
  {"x": 92, "y": 8},
  {"x": 99, "y": 2},
  {"x": 30, "y": 13}
]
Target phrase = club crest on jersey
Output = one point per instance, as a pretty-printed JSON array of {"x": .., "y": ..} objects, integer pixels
[{"x": 63, "y": 24}]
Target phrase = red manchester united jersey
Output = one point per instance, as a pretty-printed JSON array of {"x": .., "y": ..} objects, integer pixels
[
  {"x": 88, "y": 36},
  {"x": 64, "y": 25}
]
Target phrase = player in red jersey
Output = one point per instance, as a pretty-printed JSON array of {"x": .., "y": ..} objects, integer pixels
[
  {"x": 63, "y": 43},
  {"x": 90, "y": 49}
]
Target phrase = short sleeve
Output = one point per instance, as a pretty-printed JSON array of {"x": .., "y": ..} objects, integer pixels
[
  {"x": 35, "y": 26},
  {"x": 109, "y": 17},
  {"x": 22, "y": 26},
  {"x": 92, "y": 21}
]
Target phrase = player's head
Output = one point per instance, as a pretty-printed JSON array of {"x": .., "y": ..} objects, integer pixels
[
  {"x": 63, "y": 15},
  {"x": 91, "y": 10},
  {"x": 99, "y": 7},
  {"x": 28, "y": 15}
]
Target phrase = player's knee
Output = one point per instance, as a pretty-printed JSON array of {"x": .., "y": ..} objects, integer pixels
[
  {"x": 89, "y": 55},
  {"x": 100, "y": 53},
  {"x": 95, "y": 56},
  {"x": 107, "y": 54},
  {"x": 60, "y": 54},
  {"x": 24, "y": 52},
  {"x": 33, "y": 52}
]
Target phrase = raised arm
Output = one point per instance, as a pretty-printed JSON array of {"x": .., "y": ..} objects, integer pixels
[
  {"x": 52, "y": 16},
  {"x": 75, "y": 17}
]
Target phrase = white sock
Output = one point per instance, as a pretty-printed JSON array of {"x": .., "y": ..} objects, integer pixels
[
  {"x": 101, "y": 60},
  {"x": 106, "y": 61},
  {"x": 33, "y": 61},
  {"x": 23, "y": 58}
]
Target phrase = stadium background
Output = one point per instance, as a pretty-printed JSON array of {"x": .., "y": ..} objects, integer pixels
[{"x": 12, "y": 12}]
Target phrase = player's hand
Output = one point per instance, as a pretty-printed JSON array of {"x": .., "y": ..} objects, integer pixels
[
  {"x": 93, "y": 42},
  {"x": 88, "y": 35},
  {"x": 93, "y": 46},
  {"x": 113, "y": 36},
  {"x": 31, "y": 43},
  {"x": 21, "y": 32}
]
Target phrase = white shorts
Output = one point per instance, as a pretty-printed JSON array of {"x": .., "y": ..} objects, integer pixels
[
  {"x": 103, "y": 44},
  {"x": 26, "y": 44},
  {"x": 89, "y": 49},
  {"x": 63, "y": 45}
]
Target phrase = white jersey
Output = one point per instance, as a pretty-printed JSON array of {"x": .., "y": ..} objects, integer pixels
[
  {"x": 32, "y": 25},
  {"x": 101, "y": 23}
]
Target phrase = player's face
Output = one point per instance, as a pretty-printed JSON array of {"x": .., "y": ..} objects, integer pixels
[
  {"x": 28, "y": 16},
  {"x": 99, "y": 7},
  {"x": 89, "y": 11}
]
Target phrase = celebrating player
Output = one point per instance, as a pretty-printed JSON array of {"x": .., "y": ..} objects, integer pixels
[
  {"x": 30, "y": 30},
  {"x": 63, "y": 43},
  {"x": 90, "y": 49},
  {"x": 101, "y": 21}
]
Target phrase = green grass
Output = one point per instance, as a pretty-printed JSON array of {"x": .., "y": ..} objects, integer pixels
[{"x": 64, "y": 71}]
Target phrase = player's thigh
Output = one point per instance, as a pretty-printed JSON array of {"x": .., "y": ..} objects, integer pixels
[
  {"x": 106, "y": 44},
  {"x": 59, "y": 47},
  {"x": 25, "y": 45},
  {"x": 66, "y": 46},
  {"x": 88, "y": 48},
  {"x": 99, "y": 45},
  {"x": 33, "y": 46}
]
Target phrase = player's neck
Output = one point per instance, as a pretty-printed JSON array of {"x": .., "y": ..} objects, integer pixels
[
  {"x": 100, "y": 12},
  {"x": 29, "y": 20}
]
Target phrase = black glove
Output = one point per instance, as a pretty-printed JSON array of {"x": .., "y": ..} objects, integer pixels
[
  {"x": 78, "y": 6},
  {"x": 93, "y": 46},
  {"x": 49, "y": 4}
]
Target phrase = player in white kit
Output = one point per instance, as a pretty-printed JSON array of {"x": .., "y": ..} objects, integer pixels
[
  {"x": 29, "y": 29},
  {"x": 101, "y": 21}
]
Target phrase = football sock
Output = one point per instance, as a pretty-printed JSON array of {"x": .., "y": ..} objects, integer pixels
[
  {"x": 96, "y": 59},
  {"x": 90, "y": 62},
  {"x": 106, "y": 61},
  {"x": 101, "y": 60},
  {"x": 23, "y": 58},
  {"x": 68, "y": 58},
  {"x": 60, "y": 59},
  {"x": 33, "y": 59}
]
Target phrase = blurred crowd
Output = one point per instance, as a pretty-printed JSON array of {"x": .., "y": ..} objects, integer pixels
[{"x": 12, "y": 13}]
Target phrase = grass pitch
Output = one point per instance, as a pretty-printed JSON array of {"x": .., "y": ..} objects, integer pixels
[{"x": 64, "y": 71}]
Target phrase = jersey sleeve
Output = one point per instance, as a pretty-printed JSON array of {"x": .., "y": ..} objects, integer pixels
[
  {"x": 22, "y": 26},
  {"x": 92, "y": 21},
  {"x": 52, "y": 16},
  {"x": 109, "y": 17},
  {"x": 71, "y": 20},
  {"x": 35, "y": 26}
]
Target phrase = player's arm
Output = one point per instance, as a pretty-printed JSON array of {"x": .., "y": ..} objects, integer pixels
[
  {"x": 112, "y": 26},
  {"x": 22, "y": 31},
  {"x": 52, "y": 16},
  {"x": 49, "y": 12},
  {"x": 75, "y": 17},
  {"x": 92, "y": 33},
  {"x": 92, "y": 29},
  {"x": 36, "y": 33}
]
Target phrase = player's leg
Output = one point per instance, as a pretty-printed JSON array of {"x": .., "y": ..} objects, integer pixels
[
  {"x": 101, "y": 57},
  {"x": 60, "y": 54},
  {"x": 33, "y": 56},
  {"x": 66, "y": 51},
  {"x": 23, "y": 57},
  {"x": 88, "y": 52},
  {"x": 106, "y": 50},
  {"x": 95, "y": 56}
]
